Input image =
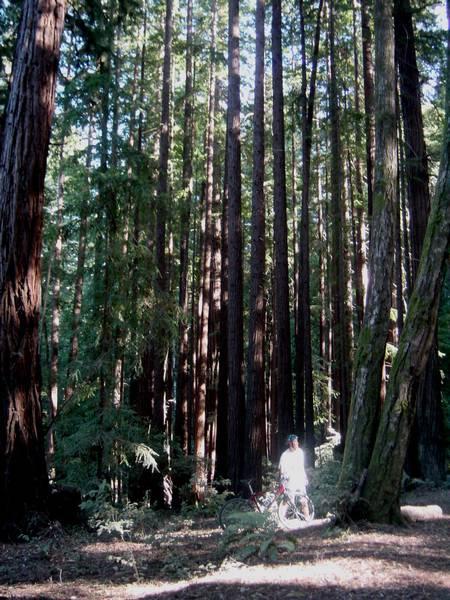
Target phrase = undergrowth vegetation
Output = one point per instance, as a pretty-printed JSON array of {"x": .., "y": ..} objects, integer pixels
[{"x": 256, "y": 536}]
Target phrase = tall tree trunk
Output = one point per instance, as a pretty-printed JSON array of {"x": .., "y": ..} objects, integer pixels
[
  {"x": 304, "y": 316},
  {"x": 282, "y": 321},
  {"x": 235, "y": 301},
  {"x": 359, "y": 217},
  {"x": 56, "y": 313},
  {"x": 339, "y": 273},
  {"x": 429, "y": 455},
  {"x": 26, "y": 134},
  {"x": 214, "y": 365},
  {"x": 369, "y": 358},
  {"x": 369, "y": 101},
  {"x": 202, "y": 359},
  {"x": 222, "y": 406},
  {"x": 181, "y": 425},
  {"x": 79, "y": 275},
  {"x": 385, "y": 469},
  {"x": 255, "y": 427},
  {"x": 161, "y": 344}
]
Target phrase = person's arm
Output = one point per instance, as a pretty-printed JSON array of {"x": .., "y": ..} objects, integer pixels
[{"x": 282, "y": 468}]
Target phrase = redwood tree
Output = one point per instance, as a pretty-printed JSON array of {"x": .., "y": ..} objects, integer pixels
[
  {"x": 255, "y": 430},
  {"x": 23, "y": 477},
  {"x": 282, "y": 323},
  {"x": 235, "y": 301},
  {"x": 369, "y": 358}
]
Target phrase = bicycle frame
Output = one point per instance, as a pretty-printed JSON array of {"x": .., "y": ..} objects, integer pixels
[{"x": 255, "y": 498}]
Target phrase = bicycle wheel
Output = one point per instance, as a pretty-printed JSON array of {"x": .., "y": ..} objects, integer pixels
[
  {"x": 293, "y": 512},
  {"x": 232, "y": 511}
]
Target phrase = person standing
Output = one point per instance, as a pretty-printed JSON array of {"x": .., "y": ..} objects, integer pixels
[{"x": 292, "y": 467}]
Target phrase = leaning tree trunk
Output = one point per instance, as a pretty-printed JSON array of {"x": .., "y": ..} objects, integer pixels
[
  {"x": 369, "y": 358},
  {"x": 385, "y": 470},
  {"x": 426, "y": 455},
  {"x": 23, "y": 476}
]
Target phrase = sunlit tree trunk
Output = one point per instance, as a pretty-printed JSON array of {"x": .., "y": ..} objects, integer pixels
[
  {"x": 384, "y": 474},
  {"x": 369, "y": 357},
  {"x": 282, "y": 321},
  {"x": 26, "y": 134},
  {"x": 426, "y": 447},
  {"x": 202, "y": 359},
  {"x": 340, "y": 320}
]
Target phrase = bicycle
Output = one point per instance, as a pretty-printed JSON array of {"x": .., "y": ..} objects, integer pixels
[{"x": 291, "y": 509}]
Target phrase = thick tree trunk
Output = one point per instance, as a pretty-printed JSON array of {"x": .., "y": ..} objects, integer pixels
[
  {"x": 235, "y": 301},
  {"x": 23, "y": 476},
  {"x": 236, "y": 422},
  {"x": 282, "y": 321},
  {"x": 369, "y": 358},
  {"x": 255, "y": 407},
  {"x": 423, "y": 445},
  {"x": 385, "y": 470}
]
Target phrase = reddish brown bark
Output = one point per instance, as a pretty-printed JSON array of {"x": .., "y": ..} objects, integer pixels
[{"x": 23, "y": 477}]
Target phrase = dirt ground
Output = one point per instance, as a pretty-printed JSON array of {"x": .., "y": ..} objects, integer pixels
[{"x": 189, "y": 559}]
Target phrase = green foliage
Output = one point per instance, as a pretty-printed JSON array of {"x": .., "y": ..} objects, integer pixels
[
  {"x": 256, "y": 534},
  {"x": 323, "y": 479},
  {"x": 84, "y": 431},
  {"x": 122, "y": 521}
]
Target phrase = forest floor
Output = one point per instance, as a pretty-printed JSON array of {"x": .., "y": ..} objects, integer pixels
[{"x": 193, "y": 558}]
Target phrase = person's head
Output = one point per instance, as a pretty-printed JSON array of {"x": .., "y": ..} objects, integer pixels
[{"x": 292, "y": 441}]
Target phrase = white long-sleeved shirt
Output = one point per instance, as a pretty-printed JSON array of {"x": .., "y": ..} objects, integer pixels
[{"x": 292, "y": 468}]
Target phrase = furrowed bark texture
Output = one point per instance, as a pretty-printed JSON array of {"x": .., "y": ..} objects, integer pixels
[
  {"x": 426, "y": 455},
  {"x": 255, "y": 427},
  {"x": 385, "y": 470},
  {"x": 369, "y": 357},
  {"x": 23, "y": 477},
  {"x": 204, "y": 308},
  {"x": 235, "y": 300},
  {"x": 282, "y": 323}
]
